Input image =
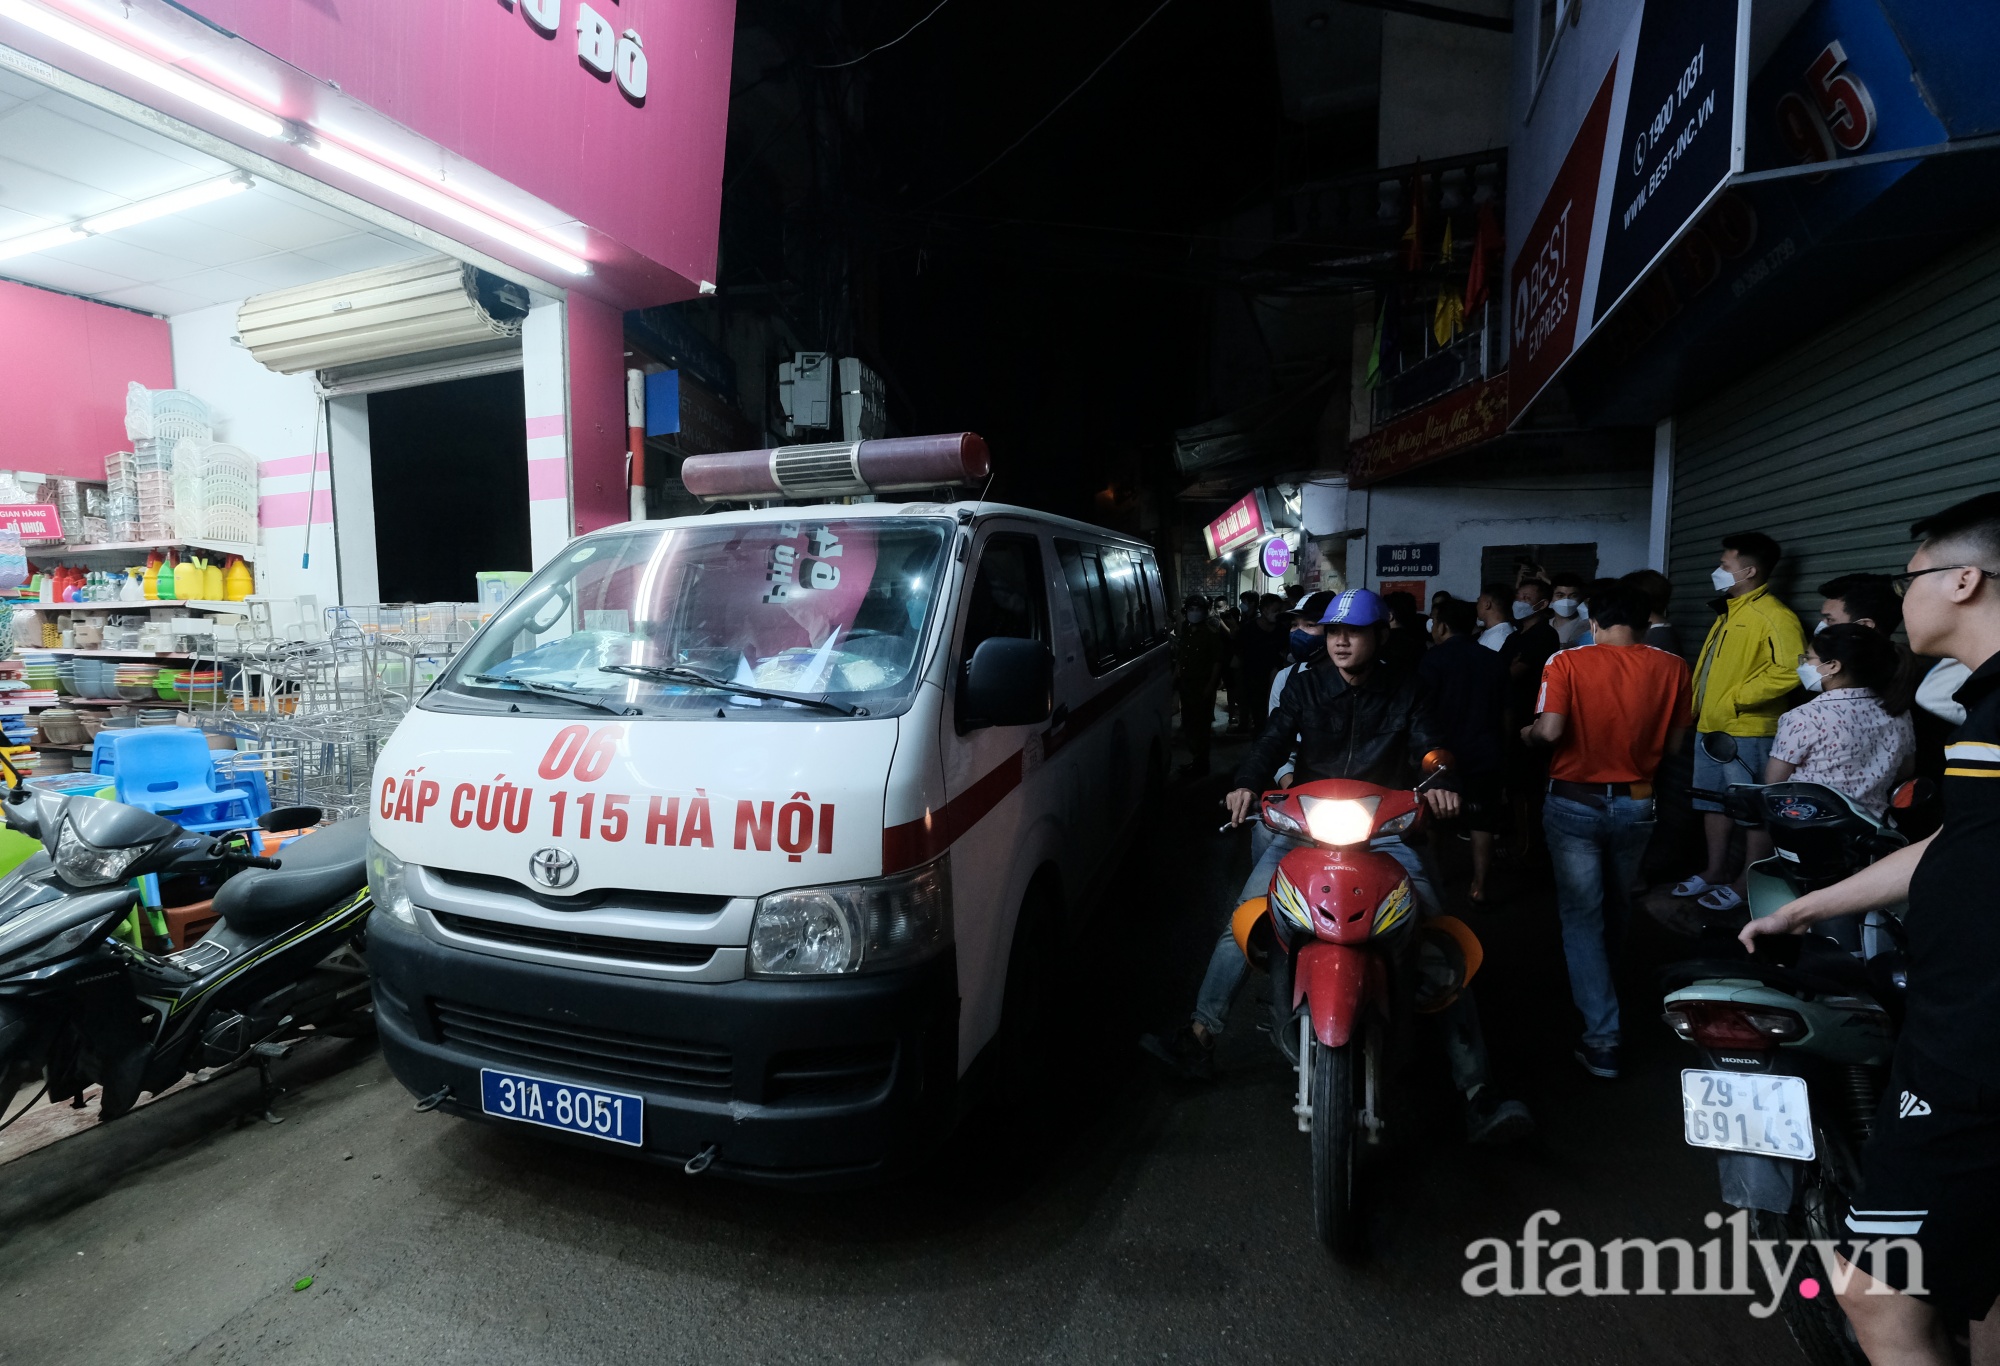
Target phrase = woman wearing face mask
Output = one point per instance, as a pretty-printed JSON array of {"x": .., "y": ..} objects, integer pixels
[{"x": 1855, "y": 736}]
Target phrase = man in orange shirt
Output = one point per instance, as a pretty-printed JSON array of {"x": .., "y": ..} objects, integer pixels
[{"x": 1608, "y": 711}]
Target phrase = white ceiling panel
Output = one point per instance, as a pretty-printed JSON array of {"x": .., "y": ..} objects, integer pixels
[
  {"x": 113, "y": 254},
  {"x": 61, "y": 160},
  {"x": 38, "y": 136},
  {"x": 195, "y": 245},
  {"x": 44, "y": 198},
  {"x": 41, "y": 270},
  {"x": 269, "y": 220},
  {"x": 154, "y": 299},
  {"x": 363, "y": 251}
]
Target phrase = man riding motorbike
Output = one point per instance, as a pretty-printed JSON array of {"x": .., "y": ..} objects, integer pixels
[{"x": 1344, "y": 715}]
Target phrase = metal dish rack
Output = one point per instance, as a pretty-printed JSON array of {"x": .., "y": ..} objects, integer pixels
[{"x": 310, "y": 706}]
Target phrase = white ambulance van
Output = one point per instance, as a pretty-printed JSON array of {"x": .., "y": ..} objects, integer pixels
[{"x": 737, "y": 839}]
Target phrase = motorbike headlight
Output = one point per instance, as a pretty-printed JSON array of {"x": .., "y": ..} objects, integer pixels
[
  {"x": 387, "y": 887},
  {"x": 85, "y": 865},
  {"x": 852, "y": 926},
  {"x": 1340, "y": 821}
]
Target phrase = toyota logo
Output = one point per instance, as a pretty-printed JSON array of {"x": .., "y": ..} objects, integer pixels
[{"x": 552, "y": 868}]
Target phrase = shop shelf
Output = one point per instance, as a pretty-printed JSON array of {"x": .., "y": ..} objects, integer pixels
[
  {"x": 54, "y": 552},
  {"x": 198, "y": 604},
  {"x": 67, "y": 701},
  {"x": 123, "y": 654}
]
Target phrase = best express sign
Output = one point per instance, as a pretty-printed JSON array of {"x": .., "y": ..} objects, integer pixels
[{"x": 1659, "y": 140}]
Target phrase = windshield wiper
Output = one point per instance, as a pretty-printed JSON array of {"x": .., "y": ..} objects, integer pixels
[
  {"x": 670, "y": 673},
  {"x": 582, "y": 699}
]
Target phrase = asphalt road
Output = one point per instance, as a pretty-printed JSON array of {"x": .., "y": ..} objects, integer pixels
[{"x": 1133, "y": 1219}]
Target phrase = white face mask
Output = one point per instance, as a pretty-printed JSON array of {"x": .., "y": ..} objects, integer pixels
[
  {"x": 1810, "y": 678},
  {"x": 1196, "y": 616},
  {"x": 1565, "y": 607},
  {"x": 1523, "y": 610},
  {"x": 1823, "y": 624},
  {"x": 1722, "y": 579}
]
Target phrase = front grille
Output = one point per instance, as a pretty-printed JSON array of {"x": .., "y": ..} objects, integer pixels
[
  {"x": 580, "y": 1051},
  {"x": 565, "y": 941},
  {"x": 624, "y": 898},
  {"x": 828, "y": 1073}
]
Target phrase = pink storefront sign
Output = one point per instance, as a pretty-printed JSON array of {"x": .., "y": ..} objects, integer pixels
[
  {"x": 594, "y": 126},
  {"x": 1242, "y": 524},
  {"x": 31, "y": 521}
]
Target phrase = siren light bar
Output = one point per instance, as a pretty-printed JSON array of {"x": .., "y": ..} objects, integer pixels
[{"x": 838, "y": 469}]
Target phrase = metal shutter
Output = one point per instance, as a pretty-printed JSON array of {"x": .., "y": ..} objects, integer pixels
[
  {"x": 1838, "y": 445},
  {"x": 427, "y": 305}
]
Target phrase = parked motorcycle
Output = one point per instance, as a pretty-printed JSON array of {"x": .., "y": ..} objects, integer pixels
[
  {"x": 1339, "y": 935},
  {"x": 1795, "y": 1040},
  {"x": 79, "y": 1006}
]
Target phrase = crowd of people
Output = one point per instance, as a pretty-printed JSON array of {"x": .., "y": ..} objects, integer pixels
[{"x": 1583, "y": 736}]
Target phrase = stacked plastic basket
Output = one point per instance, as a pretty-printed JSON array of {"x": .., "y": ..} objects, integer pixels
[{"x": 160, "y": 421}]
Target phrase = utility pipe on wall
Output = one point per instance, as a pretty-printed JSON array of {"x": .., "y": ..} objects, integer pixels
[{"x": 635, "y": 434}]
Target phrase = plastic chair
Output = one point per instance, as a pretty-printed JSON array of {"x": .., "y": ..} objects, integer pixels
[{"x": 168, "y": 770}]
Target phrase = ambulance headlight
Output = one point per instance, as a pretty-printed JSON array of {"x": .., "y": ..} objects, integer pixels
[
  {"x": 386, "y": 884},
  {"x": 852, "y": 926}
]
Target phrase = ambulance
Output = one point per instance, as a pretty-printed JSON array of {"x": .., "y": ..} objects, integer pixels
[{"x": 744, "y": 840}]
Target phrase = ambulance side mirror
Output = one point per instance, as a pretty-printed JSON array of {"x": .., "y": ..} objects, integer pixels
[{"x": 1007, "y": 682}]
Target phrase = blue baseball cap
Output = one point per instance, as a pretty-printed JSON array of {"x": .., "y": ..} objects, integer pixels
[{"x": 1356, "y": 607}]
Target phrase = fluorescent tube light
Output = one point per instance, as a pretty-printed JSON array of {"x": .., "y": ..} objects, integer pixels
[
  {"x": 148, "y": 69},
  {"x": 174, "y": 201},
  {"x": 444, "y": 205},
  {"x": 144, "y": 210},
  {"x": 40, "y": 241}
]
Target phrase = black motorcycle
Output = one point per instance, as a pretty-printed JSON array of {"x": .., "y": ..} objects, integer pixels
[
  {"x": 79, "y": 1006},
  {"x": 1795, "y": 1041}
]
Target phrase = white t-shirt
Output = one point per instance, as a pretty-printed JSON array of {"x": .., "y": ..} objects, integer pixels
[{"x": 1494, "y": 636}]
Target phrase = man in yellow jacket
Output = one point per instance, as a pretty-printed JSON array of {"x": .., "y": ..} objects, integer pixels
[{"x": 1748, "y": 667}]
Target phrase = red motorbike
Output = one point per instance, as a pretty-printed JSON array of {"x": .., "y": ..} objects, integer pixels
[{"x": 1351, "y": 960}]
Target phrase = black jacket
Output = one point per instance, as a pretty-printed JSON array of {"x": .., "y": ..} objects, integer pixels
[{"x": 1377, "y": 732}]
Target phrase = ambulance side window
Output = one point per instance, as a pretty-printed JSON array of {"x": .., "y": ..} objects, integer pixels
[
  {"x": 1085, "y": 573},
  {"x": 1009, "y": 597}
]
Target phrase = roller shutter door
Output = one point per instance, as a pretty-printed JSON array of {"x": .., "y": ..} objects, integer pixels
[{"x": 1836, "y": 446}]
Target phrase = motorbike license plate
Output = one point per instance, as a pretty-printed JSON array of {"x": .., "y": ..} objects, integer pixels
[
  {"x": 615, "y": 1116},
  {"x": 1747, "y": 1112}
]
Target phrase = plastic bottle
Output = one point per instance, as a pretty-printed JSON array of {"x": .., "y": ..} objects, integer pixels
[
  {"x": 187, "y": 577},
  {"x": 212, "y": 581},
  {"x": 135, "y": 586},
  {"x": 152, "y": 578},
  {"x": 164, "y": 582},
  {"x": 237, "y": 583}
]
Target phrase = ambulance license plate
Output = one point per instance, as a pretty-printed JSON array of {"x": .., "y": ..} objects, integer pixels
[
  {"x": 616, "y": 1116},
  {"x": 1747, "y": 1112}
]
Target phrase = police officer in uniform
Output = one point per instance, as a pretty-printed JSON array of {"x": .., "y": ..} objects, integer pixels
[{"x": 1200, "y": 652}]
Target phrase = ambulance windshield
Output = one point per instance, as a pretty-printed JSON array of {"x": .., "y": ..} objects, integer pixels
[{"x": 806, "y": 619}]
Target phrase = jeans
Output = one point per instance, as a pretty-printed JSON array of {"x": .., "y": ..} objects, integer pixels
[
  {"x": 1595, "y": 847},
  {"x": 1227, "y": 967}
]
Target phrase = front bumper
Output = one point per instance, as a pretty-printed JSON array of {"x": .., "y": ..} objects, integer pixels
[{"x": 823, "y": 1082}]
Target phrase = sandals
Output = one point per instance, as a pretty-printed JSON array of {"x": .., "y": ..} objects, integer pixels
[
  {"x": 1694, "y": 886},
  {"x": 1724, "y": 898}
]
